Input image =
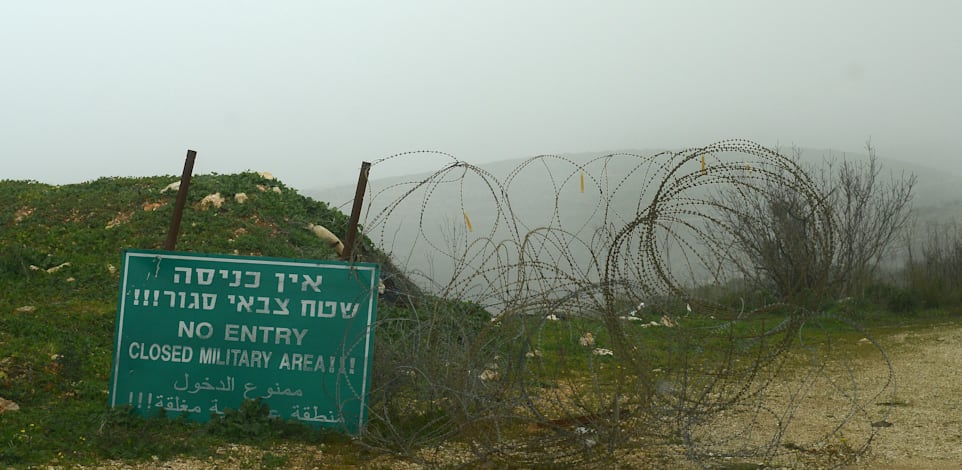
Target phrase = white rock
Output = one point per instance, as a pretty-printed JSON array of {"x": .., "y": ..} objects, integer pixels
[
  {"x": 7, "y": 405},
  {"x": 57, "y": 268},
  {"x": 215, "y": 200},
  {"x": 488, "y": 374},
  {"x": 324, "y": 234}
]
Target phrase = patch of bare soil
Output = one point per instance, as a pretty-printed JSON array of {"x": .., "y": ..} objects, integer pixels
[
  {"x": 926, "y": 423},
  {"x": 845, "y": 402},
  {"x": 838, "y": 406}
]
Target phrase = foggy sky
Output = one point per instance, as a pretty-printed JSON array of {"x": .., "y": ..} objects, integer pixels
[{"x": 308, "y": 90}]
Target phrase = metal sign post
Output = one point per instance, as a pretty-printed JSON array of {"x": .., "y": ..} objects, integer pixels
[
  {"x": 171, "y": 241},
  {"x": 355, "y": 212}
]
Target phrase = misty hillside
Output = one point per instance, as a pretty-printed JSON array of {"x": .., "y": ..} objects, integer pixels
[
  {"x": 937, "y": 188},
  {"x": 937, "y": 193},
  {"x": 460, "y": 206}
]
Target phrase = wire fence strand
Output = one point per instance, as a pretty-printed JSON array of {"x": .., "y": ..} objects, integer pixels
[{"x": 583, "y": 311}]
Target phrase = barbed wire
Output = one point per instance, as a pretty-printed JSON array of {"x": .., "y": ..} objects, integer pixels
[{"x": 583, "y": 311}]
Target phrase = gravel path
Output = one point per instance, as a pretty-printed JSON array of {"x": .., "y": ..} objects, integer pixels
[{"x": 926, "y": 429}]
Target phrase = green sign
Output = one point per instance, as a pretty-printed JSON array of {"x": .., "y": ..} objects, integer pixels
[{"x": 197, "y": 334}]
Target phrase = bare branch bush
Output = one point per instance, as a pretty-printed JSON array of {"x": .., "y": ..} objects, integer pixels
[
  {"x": 780, "y": 234},
  {"x": 778, "y": 237},
  {"x": 870, "y": 213},
  {"x": 934, "y": 269}
]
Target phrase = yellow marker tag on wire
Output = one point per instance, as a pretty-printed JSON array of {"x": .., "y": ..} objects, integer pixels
[
  {"x": 467, "y": 222},
  {"x": 582, "y": 181},
  {"x": 703, "y": 165}
]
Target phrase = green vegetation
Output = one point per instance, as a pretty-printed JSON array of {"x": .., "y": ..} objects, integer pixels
[{"x": 60, "y": 249}]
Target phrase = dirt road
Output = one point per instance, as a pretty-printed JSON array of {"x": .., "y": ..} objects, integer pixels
[{"x": 926, "y": 430}]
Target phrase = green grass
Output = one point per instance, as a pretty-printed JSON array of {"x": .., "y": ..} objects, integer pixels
[
  {"x": 56, "y": 363},
  {"x": 55, "y": 355}
]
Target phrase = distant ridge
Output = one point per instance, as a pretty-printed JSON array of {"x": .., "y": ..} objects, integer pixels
[{"x": 937, "y": 186}]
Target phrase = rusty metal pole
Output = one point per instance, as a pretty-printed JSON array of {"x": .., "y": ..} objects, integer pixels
[
  {"x": 171, "y": 242},
  {"x": 355, "y": 212}
]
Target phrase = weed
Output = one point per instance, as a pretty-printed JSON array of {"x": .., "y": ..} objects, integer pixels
[{"x": 270, "y": 460}]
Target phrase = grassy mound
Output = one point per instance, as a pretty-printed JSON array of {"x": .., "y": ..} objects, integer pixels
[
  {"x": 60, "y": 253},
  {"x": 82, "y": 228}
]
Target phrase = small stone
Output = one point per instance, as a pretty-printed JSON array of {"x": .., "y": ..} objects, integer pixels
[
  {"x": 215, "y": 200},
  {"x": 488, "y": 374},
  {"x": 152, "y": 206},
  {"x": 7, "y": 405},
  {"x": 57, "y": 268}
]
